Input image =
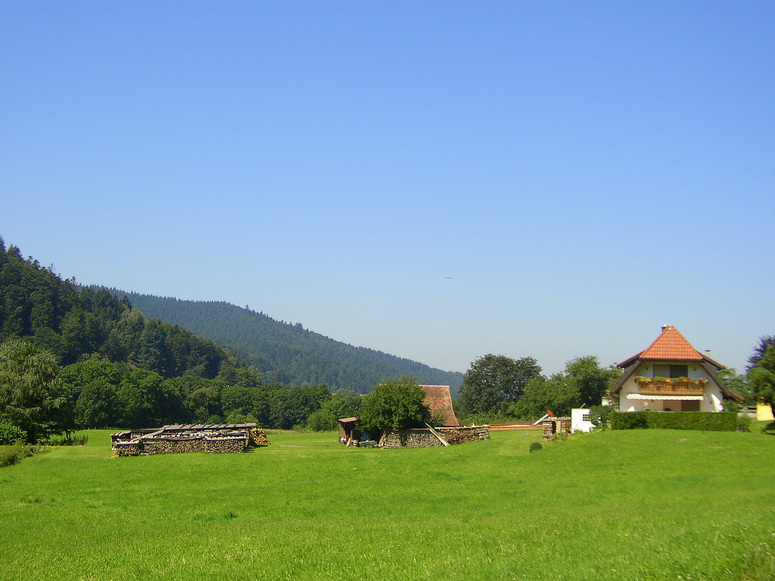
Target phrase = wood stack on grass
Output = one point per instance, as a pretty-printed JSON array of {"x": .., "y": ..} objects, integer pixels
[
  {"x": 258, "y": 437},
  {"x": 210, "y": 438}
]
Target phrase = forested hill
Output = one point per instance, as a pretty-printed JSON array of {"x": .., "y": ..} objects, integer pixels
[
  {"x": 286, "y": 353},
  {"x": 74, "y": 323}
]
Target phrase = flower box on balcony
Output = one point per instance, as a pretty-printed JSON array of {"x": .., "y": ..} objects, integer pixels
[{"x": 671, "y": 386}]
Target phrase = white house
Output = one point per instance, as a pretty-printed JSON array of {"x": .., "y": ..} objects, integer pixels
[{"x": 671, "y": 375}]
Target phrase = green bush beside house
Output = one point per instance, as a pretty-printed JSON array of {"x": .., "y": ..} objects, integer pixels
[{"x": 705, "y": 421}]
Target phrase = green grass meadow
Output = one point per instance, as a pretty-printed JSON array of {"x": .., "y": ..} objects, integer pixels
[{"x": 641, "y": 504}]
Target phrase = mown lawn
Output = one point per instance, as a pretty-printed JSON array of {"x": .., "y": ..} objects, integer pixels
[{"x": 657, "y": 504}]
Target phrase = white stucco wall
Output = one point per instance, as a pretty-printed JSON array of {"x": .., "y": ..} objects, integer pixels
[
  {"x": 577, "y": 421},
  {"x": 711, "y": 402}
]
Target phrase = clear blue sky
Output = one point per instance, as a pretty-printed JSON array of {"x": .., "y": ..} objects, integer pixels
[{"x": 436, "y": 180}]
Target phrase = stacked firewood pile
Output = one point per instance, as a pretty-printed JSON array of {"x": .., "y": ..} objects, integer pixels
[
  {"x": 229, "y": 444},
  {"x": 258, "y": 437},
  {"x": 173, "y": 445},
  {"x": 426, "y": 438},
  {"x": 127, "y": 448},
  {"x": 461, "y": 435},
  {"x": 556, "y": 426},
  {"x": 210, "y": 438}
]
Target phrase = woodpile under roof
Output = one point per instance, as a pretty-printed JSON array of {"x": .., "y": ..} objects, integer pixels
[{"x": 173, "y": 439}]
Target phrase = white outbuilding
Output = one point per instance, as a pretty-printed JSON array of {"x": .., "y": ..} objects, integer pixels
[{"x": 580, "y": 421}]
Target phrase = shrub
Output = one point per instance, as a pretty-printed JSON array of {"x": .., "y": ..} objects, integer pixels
[
  {"x": 321, "y": 421},
  {"x": 743, "y": 423},
  {"x": 481, "y": 419},
  {"x": 535, "y": 446},
  {"x": 16, "y": 453},
  {"x": 438, "y": 417},
  {"x": 707, "y": 421},
  {"x": 10, "y": 434},
  {"x": 600, "y": 416}
]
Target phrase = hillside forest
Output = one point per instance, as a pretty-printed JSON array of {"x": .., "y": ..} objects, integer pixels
[{"x": 283, "y": 352}]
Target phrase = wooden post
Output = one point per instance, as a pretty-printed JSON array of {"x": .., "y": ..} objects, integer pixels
[{"x": 435, "y": 433}]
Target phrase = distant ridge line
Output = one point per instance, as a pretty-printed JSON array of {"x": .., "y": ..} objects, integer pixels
[{"x": 287, "y": 353}]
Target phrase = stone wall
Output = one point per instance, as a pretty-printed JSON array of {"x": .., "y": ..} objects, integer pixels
[{"x": 424, "y": 438}]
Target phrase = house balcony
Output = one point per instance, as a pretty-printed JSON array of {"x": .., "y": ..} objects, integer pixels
[{"x": 662, "y": 386}]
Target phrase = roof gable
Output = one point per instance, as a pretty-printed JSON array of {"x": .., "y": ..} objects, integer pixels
[{"x": 671, "y": 345}]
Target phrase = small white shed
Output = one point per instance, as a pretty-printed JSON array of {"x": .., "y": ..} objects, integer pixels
[{"x": 579, "y": 420}]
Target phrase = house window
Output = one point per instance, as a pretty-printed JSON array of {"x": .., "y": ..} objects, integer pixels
[
  {"x": 672, "y": 371},
  {"x": 584, "y": 417}
]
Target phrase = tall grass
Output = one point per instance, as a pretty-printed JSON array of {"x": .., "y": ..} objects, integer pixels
[{"x": 615, "y": 505}]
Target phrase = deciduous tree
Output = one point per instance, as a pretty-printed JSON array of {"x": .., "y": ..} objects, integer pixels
[
  {"x": 396, "y": 404},
  {"x": 761, "y": 377},
  {"x": 583, "y": 382},
  {"x": 495, "y": 381},
  {"x": 96, "y": 406}
]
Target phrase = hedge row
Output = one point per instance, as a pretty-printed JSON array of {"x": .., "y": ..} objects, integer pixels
[{"x": 710, "y": 421}]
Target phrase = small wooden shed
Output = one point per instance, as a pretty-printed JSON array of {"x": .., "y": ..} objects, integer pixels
[{"x": 348, "y": 431}]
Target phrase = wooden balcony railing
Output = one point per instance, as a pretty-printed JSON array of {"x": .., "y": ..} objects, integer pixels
[{"x": 659, "y": 386}]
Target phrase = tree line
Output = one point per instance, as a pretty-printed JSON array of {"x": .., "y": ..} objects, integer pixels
[
  {"x": 499, "y": 388},
  {"x": 72, "y": 322},
  {"x": 41, "y": 399}
]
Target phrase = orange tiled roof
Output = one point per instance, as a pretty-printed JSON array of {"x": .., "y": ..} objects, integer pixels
[
  {"x": 670, "y": 346},
  {"x": 438, "y": 397}
]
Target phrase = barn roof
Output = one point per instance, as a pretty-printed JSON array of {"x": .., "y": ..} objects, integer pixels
[{"x": 439, "y": 399}]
